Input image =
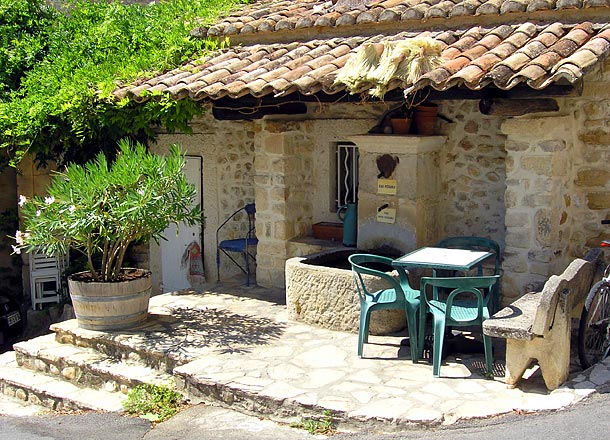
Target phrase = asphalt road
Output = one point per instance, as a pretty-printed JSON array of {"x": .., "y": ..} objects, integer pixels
[{"x": 587, "y": 420}]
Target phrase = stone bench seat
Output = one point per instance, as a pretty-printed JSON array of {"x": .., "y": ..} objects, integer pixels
[{"x": 537, "y": 326}]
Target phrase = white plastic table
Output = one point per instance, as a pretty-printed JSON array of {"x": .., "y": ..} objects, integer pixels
[{"x": 443, "y": 258}]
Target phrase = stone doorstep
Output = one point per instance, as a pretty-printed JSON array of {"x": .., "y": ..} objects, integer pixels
[
  {"x": 56, "y": 394},
  {"x": 117, "y": 345},
  {"x": 84, "y": 366}
]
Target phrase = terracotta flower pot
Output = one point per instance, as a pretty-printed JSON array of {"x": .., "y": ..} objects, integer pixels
[
  {"x": 400, "y": 125},
  {"x": 425, "y": 119}
]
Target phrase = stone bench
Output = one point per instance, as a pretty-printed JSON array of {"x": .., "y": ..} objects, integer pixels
[{"x": 537, "y": 326}]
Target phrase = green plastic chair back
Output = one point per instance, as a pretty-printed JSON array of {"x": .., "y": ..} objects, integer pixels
[
  {"x": 398, "y": 295},
  {"x": 465, "y": 305},
  {"x": 479, "y": 244}
]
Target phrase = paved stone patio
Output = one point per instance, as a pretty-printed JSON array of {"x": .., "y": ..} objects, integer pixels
[
  {"x": 235, "y": 347},
  {"x": 252, "y": 357}
]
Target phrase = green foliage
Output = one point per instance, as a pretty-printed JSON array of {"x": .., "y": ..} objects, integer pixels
[
  {"x": 100, "y": 208},
  {"x": 153, "y": 402},
  {"x": 55, "y": 90},
  {"x": 23, "y": 25},
  {"x": 324, "y": 426}
]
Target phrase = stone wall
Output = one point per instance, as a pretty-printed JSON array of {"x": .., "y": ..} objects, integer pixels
[
  {"x": 537, "y": 200},
  {"x": 473, "y": 172},
  {"x": 284, "y": 171},
  {"x": 589, "y": 200}
]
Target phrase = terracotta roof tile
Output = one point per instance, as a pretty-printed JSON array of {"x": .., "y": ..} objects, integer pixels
[
  {"x": 491, "y": 7},
  {"x": 456, "y": 64},
  {"x": 569, "y": 4},
  {"x": 465, "y": 9},
  {"x": 513, "y": 6},
  {"x": 516, "y": 61},
  {"x": 507, "y": 54},
  {"x": 277, "y": 15},
  {"x": 503, "y": 51},
  {"x": 451, "y": 53},
  {"x": 487, "y": 61},
  {"x": 469, "y": 74},
  {"x": 475, "y": 52},
  {"x": 540, "y": 5},
  {"x": 389, "y": 15},
  {"x": 597, "y": 46}
]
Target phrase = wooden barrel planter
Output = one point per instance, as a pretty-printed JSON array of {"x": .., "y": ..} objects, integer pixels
[{"x": 111, "y": 306}]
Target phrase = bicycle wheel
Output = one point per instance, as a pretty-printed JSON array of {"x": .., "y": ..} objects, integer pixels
[{"x": 594, "y": 329}]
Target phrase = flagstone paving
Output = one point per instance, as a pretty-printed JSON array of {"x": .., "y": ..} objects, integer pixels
[{"x": 236, "y": 347}]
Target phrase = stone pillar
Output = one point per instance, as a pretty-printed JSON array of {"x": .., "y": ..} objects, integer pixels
[
  {"x": 283, "y": 170},
  {"x": 416, "y": 201},
  {"x": 537, "y": 201}
]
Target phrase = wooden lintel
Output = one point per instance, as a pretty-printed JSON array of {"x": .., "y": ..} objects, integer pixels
[
  {"x": 396, "y": 95},
  {"x": 457, "y": 93},
  {"x": 517, "y": 107}
]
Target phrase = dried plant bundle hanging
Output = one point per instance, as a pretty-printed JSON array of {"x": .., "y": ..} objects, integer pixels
[
  {"x": 376, "y": 65},
  {"x": 360, "y": 63}
]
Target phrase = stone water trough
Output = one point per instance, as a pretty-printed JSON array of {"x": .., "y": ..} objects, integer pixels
[{"x": 320, "y": 291}]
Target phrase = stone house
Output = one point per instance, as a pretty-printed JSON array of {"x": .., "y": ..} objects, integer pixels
[{"x": 519, "y": 153}]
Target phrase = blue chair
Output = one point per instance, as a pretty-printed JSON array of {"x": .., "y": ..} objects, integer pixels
[
  {"x": 479, "y": 244},
  {"x": 464, "y": 306},
  {"x": 239, "y": 245},
  {"x": 398, "y": 295}
]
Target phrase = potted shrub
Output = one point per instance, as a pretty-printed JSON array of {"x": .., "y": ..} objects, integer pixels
[{"x": 99, "y": 209}]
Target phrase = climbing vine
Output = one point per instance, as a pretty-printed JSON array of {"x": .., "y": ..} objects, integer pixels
[{"x": 58, "y": 68}]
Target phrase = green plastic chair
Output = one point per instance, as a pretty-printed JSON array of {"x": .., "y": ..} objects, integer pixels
[
  {"x": 478, "y": 244},
  {"x": 398, "y": 295},
  {"x": 459, "y": 309}
]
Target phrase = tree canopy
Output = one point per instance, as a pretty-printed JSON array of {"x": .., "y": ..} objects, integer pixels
[{"x": 58, "y": 67}]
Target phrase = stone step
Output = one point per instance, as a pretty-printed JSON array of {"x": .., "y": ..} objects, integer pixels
[
  {"x": 148, "y": 343},
  {"x": 11, "y": 406},
  {"x": 52, "y": 393},
  {"x": 84, "y": 366}
]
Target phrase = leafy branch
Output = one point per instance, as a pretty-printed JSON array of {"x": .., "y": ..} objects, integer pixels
[{"x": 58, "y": 69}]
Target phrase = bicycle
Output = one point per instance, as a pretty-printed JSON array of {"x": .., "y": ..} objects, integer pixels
[{"x": 594, "y": 328}]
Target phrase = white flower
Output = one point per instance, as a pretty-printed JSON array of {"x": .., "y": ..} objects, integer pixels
[
  {"x": 141, "y": 192},
  {"x": 22, "y": 200},
  {"x": 38, "y": 213},
  {"x": 71, "y": 208},
  {"x": 16, "y": 250},
  {"x": 48, "y": 200}
]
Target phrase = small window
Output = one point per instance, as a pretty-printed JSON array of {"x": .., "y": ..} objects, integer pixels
[{"x": 346, "y": 182}]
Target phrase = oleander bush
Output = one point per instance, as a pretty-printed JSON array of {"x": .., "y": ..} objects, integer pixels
[{"x": 101, "y": 207}]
